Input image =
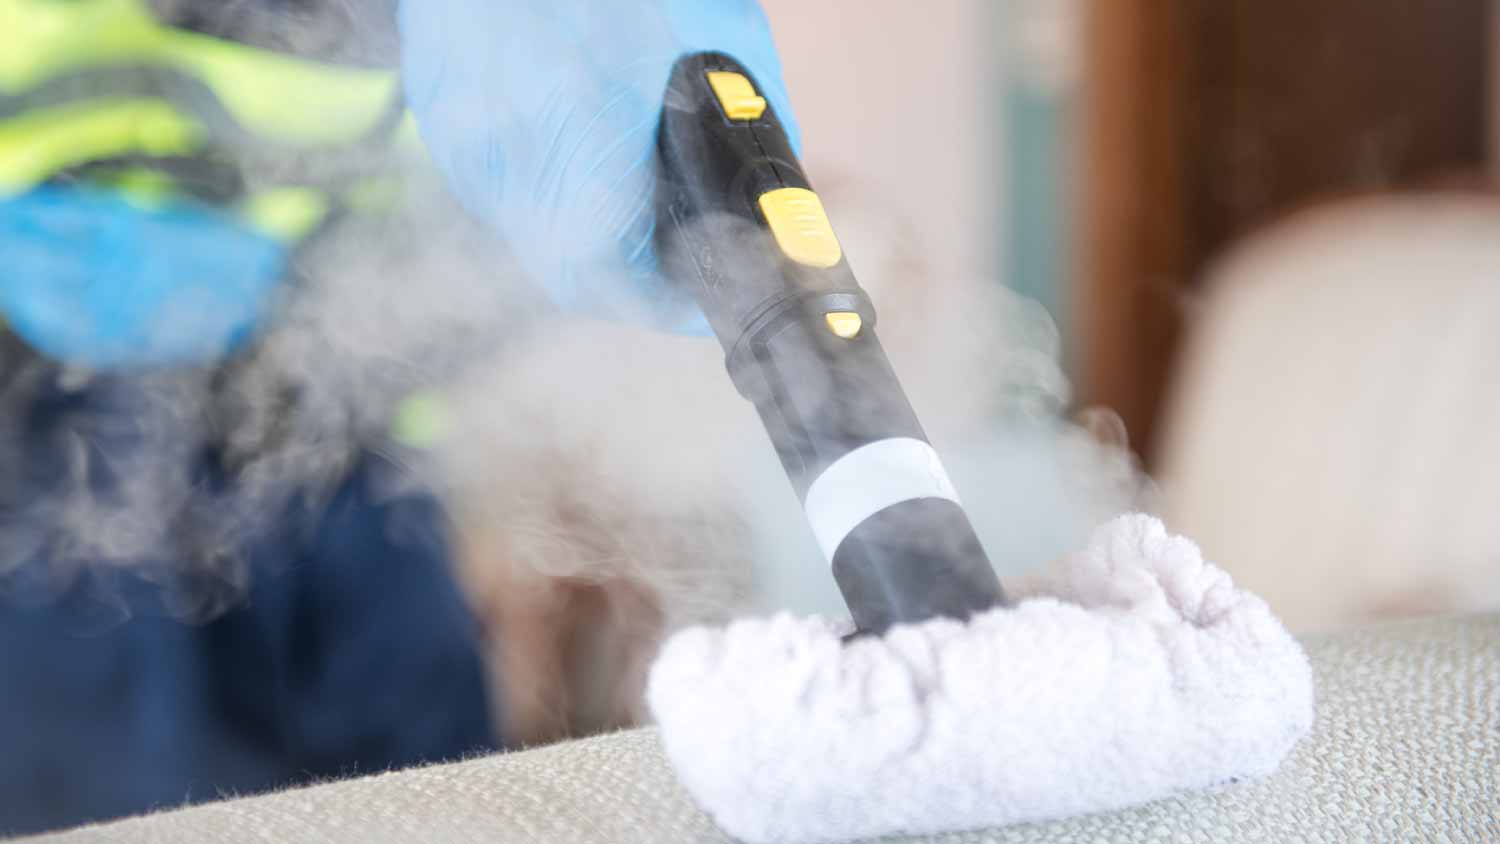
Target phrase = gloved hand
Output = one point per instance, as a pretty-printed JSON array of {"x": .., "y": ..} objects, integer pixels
[
  {"x": 92, "y": 279},
  {"x": 542, "y": 114}
]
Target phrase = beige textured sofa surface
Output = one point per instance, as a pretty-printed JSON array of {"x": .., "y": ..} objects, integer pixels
[{"x": 1406, "y": 748}]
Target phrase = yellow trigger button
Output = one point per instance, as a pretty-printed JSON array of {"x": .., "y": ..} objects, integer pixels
[
  {"x": 844, "y": 324},
  {"x": 801, "y": 226},
  {"x": 736, "y": 95}
]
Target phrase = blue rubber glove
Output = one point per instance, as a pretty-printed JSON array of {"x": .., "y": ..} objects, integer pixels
[
  {"x": 92, "y": 279},
  {"x": 542, "y": 114}
]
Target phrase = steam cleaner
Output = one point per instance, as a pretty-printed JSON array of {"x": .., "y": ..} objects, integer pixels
[{"x": 1131, "y": 671}]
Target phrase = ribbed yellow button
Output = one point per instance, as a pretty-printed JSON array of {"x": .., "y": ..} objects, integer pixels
[
  {"x": 736, "y": 95},
  {"x": 801, "y": 226}
]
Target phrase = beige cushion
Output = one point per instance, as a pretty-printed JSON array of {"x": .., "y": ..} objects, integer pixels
[
  {"x": 1331, "y": 441},
  {"x": 1406, "y": 747}
]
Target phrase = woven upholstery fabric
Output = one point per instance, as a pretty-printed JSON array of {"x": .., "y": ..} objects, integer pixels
[{"x": 1406, "y": 747}]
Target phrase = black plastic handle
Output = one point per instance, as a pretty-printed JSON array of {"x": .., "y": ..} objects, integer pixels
[{"x": 821, "y": 396}]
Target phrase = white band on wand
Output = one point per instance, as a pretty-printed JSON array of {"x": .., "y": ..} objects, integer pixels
[{"x": 868, "y": 480}]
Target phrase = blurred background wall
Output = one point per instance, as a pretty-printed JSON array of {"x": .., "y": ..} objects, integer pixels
[{"x": 898, "y": 96}]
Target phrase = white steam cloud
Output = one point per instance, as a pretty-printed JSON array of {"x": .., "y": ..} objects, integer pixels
[
  {"x": 599, "y": 451},
  {"x": 566, "y": 449}
]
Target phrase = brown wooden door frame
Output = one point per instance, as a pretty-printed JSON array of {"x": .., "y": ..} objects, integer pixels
[{"x": 1131, "y": 250}]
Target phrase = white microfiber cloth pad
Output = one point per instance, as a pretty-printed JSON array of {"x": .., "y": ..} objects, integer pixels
[{"x": 1130, "y": 671}]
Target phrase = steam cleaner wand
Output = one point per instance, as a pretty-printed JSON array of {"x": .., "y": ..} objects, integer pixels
[
  {"x": 738, "y": 220},
  {"x": 1141, "y": 673}
]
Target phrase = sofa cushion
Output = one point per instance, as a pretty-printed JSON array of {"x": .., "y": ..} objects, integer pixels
[{"x": 1406, "y": 746}]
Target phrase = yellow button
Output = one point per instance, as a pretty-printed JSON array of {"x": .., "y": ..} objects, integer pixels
[
  {"x": 801, "y": 226},
  {"x": 845, "y": 324},
  {"x": 736, "y": 95}
]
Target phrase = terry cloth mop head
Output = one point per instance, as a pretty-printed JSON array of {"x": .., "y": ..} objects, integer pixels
[{"x": 1134, "y": 671}]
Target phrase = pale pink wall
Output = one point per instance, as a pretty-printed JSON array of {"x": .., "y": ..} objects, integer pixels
[{"x": 896, "y": 101}]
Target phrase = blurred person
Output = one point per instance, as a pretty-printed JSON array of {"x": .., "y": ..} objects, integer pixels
[
  {"x": 176, "y": 621},
  {"x": 180, "y": 619}
]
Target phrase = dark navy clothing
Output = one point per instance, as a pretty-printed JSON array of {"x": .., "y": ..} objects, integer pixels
[{"x": 347, "y": 648}]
